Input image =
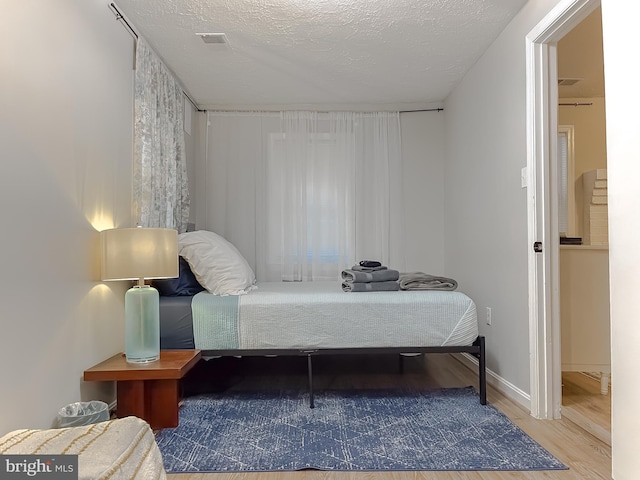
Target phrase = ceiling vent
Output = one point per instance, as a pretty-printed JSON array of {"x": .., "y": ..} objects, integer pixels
[
  {"x": 566, "y": 82},
  {"x": 214, "y": 38}
]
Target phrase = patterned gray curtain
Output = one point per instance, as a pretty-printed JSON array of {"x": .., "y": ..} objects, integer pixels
[{"x": 160, "y": 189}]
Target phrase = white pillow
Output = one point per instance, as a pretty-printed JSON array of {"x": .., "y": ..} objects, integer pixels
[{"x": 216, "y": 263}]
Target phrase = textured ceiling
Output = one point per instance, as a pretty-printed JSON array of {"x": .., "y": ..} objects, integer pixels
[{"x": 320, "y": 53}]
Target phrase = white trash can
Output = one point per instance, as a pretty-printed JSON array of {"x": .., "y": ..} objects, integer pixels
[{"x": 83, "y": 413}]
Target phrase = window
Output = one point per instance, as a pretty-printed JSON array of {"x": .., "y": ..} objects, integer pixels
[
  {"x": 306, "y": 194},
  {"x": 566, "y": 180},
  {"x": 309, "y": 205}
]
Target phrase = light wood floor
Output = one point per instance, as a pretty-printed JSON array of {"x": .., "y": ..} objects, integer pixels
[
  {"x": 587, "y": 457},
  {"x": 583, "y": 404}
]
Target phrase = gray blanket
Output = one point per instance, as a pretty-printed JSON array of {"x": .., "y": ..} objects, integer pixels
[
  {"x": 390, "y": 286},
  {"x": 423, "y": 281},
  {"x": 355, "y": 276}
]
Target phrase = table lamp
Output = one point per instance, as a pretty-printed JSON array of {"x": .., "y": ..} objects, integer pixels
[{"x": 139, "y": 254}]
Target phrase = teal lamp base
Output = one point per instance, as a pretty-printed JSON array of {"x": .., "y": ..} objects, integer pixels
[{"x": 142, "y": 324}]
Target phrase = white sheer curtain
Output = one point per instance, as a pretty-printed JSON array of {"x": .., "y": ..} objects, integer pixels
[
  {"x": 304, "y": 195},
  {"x": 308, "y": 199},
  {"x": 161, "y": 195}
]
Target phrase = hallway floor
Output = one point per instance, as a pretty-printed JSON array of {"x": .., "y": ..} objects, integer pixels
[{"x": 584, "y": 405}]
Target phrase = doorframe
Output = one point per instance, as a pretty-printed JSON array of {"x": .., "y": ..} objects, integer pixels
[{"x": 542, "y": 203}]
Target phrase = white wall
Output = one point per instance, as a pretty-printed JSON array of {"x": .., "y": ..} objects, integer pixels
[
  {"x": 485, "y": 206},
  {"x": 623, "y": 154},
  {"x": 65, "y": 173}
]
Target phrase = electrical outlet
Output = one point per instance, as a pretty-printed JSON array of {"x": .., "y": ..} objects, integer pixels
[{"x": 488, "y": 315}]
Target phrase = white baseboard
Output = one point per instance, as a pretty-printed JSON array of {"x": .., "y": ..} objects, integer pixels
[{"x": 496, "y": 381}]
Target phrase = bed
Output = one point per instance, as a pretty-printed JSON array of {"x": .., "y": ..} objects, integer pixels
[{"x": 235, "y": 316}]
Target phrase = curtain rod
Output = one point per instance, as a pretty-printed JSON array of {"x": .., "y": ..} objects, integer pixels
[
  {"x": 120, "y": 18},
  {"x": 575, "y": 104},
  {"x": 134, "y": 34},
  {"x": 323, "y": 111},
  {"x": 423, "y": 110}
]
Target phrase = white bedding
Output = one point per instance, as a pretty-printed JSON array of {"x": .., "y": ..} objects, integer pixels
[
  {"x": 122, "y": 449},
  {"x": 320, "y": 315}
]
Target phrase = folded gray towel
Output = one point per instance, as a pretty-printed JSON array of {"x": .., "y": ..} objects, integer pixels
[
  {"x": 355, "y": 276},
  {"x": 423, "y": 281},
  {"x": 370, "y": 286}
]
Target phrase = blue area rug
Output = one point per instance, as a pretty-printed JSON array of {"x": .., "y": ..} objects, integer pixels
[{"x": 355, "y": 430}]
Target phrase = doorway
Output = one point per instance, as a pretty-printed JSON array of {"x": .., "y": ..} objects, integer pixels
[
  {"x": 583, "y": 225},
  {"x": 542, "y": 203}
]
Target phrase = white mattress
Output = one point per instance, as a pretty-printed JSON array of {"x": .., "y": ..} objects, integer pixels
[{"x": 320, "y": 315}]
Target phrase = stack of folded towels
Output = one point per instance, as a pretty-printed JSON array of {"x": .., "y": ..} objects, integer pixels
[{"x": 370, "y": 276}]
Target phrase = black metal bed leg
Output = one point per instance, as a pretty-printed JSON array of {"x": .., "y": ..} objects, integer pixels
[
  {"x": 482, "y": 371},
  {"x": 310, "y": 373}
]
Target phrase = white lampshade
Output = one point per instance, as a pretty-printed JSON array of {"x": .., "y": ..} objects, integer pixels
[{"x": 134, "y": 253}]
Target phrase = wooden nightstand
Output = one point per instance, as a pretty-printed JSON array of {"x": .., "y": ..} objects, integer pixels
[{"x": 150, "y": 391}]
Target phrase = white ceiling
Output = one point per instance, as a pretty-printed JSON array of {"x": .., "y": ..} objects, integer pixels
[{"x": 377, "y": 54}]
